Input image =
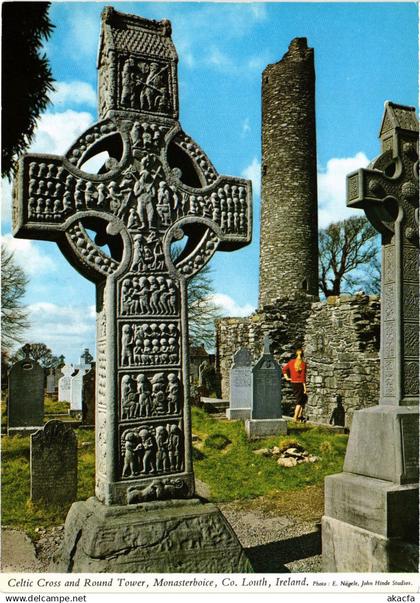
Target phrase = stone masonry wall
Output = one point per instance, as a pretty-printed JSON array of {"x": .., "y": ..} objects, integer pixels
[
  {"x": 341, "y": 346},
  {"x": 342, "y": 349},
  {"x": 289, "y": 228},
  {"x": 284, "y": 321}
]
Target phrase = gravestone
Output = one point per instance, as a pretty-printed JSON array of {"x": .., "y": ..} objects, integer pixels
[
  {"x": 240, "y": 400},
  {"x": 64, "y": 383},
  {"x": 266, "y": 410},
  {"x": 76, "y": 386},
  {"x": 53, "y": 460},
  {"x": 156, "y": 188},
  {"x": 25, "y": 407},
  {"x": 86, "y": 359},
  {"x": 50, "y": 389},
  {"x": 88, "y": 397},
  {"x": 371, "y": 509}
]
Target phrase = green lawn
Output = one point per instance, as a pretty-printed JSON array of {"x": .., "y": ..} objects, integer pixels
[
  {"x": 223, "y": 459},
  {"x": 17, "y": 509},
  {"x": 235, "y": 472}
]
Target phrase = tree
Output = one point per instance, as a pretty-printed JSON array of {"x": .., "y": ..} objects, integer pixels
[
  {"x": 202, "y": 311},
  {"x": 27, "y": 77},
  {"x": 38, "y": 352},
  {"x": 349, "y": 256},
  {"x": 13, "y": 313}
]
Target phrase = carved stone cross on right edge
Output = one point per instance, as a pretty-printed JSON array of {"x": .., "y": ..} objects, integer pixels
[
  {"x": 155, "y": 187},
  {"x": 371, "y": 509}
]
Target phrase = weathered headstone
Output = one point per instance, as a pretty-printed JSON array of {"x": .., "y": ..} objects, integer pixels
[
  {"x": 86, "y": 359},
  {"x": 64, "y": 383},
  {"x": 50, "y": 389},
  {"x": 76, "y": 385},
  {"x": 53, "y": 458},
  {"x": 371, "y": 509},
  {"x": 240, "y": 400},
  {"x": 156, "y": 187},
  {"x": 25, "y": 408},
  {"x": 88, "y": 397},
  {"x": 266, "y": 411}
]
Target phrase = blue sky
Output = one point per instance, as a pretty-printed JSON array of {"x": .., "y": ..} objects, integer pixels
[{"x": 365, "y": 53}]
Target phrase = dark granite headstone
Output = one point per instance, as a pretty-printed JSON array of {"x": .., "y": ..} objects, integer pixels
[
  {"x": 266, "y": 412},
  {"x": 240, "y": 400},
  {"x": 53, "y": 457},
  {"x": 88, "y": 397},
  {"x": 25, "y": 411}
]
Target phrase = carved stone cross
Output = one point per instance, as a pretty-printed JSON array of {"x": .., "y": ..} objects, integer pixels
[
  {"x": 388, "y": 192},
  {"x": 155, "y": 186}
]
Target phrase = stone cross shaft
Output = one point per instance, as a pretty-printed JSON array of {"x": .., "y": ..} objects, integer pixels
[
  {"x": 388, "y": 193},
  {"x": 154, "y": 187}
]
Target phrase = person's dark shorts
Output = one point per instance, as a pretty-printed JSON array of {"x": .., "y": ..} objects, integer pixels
[{"x": 299, "y": 393}]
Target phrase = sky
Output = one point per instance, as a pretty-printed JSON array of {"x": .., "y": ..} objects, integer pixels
[{"x": 365, "y": 54}]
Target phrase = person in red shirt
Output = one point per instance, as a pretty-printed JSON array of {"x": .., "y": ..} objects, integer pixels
[{"x": 295, "y": 372}]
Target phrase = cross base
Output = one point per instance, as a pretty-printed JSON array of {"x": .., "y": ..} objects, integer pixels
[
  {"x": 348, "y": 548},
  {"x": 371, "y": 509},
  {"x": 176, "y": 536},
  {"x": 263, "y": 428}
]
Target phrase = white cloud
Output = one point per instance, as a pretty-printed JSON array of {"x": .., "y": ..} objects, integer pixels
[
  {"x": 75, "y": 92},
  {"x": 57, "y": 131},
  {"x": 253, "y": 172},
  {"x": 65, "y": 329},
  {"x": 217, "y": 58},
  {"x": 29, "y": 255},
  {"x": 246, "y": 126},
  {"x": 229, "y": 307},
  {"x": 332, "y": 188}
]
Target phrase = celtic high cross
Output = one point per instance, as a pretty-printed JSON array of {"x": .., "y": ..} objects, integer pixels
[
  {"x": 388, "y": 192},
  {"x": 155, "y": 187}
]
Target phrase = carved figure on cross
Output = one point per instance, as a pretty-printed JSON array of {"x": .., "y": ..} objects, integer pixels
[
  {"x": 388, "y": 192},
  {"x": 156, "y": 187}
]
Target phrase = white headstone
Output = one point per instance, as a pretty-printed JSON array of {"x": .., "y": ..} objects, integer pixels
[
  {"x": 240, "y": 385},
  {"x": 76, "y": 387},
  {"x": 64, "y": 383}
]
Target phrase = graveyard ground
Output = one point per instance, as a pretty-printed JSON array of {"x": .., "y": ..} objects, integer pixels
[{"x": 274, "y": 510}]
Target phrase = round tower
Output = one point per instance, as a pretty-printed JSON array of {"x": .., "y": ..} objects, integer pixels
[{"x": 289, "y": 220}]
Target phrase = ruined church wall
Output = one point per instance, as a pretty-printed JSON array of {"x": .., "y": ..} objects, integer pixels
[
  {"x": 283, "y": 321},
  {"x": 341, "y": 341},
  {"x": 342, "y": 349}
]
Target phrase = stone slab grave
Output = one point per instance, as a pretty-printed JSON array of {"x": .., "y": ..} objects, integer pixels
[
  {"x": 64, "y": 383},
  {"x": 25, "y": 406},
  {"x": 371, "y": 509},
  {"x": 240, "y": 399},
  {"x": 53, "y": 464},
  {"x": 88, "y": 397},
  {"x": 156, "y": 187},
  {"x": 266, "y": 411}
]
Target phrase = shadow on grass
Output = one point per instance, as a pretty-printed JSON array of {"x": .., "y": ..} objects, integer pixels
[{"x": 272, "y": 557}]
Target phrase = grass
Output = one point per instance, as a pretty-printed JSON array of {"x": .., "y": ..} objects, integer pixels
[
  {"x": 223, "y": 459},
  {"x": 54, "y": 407},
  {"x": 17, "y": 509},
  {"x": 235, "y": 472}
]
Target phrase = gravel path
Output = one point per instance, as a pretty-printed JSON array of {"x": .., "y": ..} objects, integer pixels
[
  {"x": 272, "y": 543},
  {"x": 275, "y": 543}
]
